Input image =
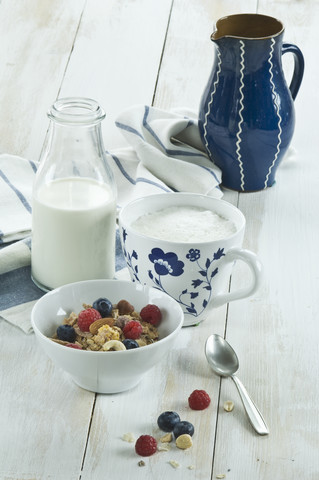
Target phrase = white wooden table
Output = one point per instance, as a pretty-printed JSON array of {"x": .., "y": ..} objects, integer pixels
[{"x": 123, "y": 52}]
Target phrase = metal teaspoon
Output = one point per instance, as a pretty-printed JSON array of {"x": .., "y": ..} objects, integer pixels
[{"x": 224, "y": 362}]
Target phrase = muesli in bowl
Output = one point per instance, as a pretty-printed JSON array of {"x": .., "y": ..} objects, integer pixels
[{"x": 104, "y": 327}]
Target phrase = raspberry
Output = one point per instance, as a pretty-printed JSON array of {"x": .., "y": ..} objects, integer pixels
[
  {"x": 145, "y": 445},
  {"x": 198, "y": 400},
  {"x": 86, "y": 317},
  {"x": 74, "y": 345},
  {"x": 151, "y": 314},
  {"x": 132, "y": 330}
]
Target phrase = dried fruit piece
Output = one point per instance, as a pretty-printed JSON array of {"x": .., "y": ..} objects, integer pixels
[
  {"x": 184, "y": 441},
  {"x": 167, "y": 438},
  {"x": 128, "y": 437},
  {"x": 228, "y": 406},
  {"x": 145, "y": 445},
  {"x": 124, "y": 307},
  {"x": 113, "y": 345},
  {"x": 199, "y": 400},
  {"x": 164, "y": 447},
  {"x": 94, "y": 327},
  {"x": 74, "y": 345}
]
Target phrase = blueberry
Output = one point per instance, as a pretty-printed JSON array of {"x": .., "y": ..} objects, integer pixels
[
  {"x": 66, "y": 333},
  {"x": 129, "y": 344},
  {"x": 104, "y": 306},
  {"x": 183, "y": 427},
  {"x": 167, "y": 420}
]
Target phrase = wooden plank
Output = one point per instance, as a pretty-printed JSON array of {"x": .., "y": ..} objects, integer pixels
[
  {"x": 279, "y": 357},
  {"x": 36, "y": 39},
  {"x": 116, "y": 57}
]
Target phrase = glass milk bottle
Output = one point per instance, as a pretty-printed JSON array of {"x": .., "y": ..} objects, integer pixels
[{"x": 74, "y": 199}]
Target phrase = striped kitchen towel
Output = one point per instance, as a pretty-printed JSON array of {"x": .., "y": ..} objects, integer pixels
[{"x": 164, "y": 154}]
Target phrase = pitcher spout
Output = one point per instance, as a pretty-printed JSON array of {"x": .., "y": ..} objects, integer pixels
[{"x": 247, "y": 26}]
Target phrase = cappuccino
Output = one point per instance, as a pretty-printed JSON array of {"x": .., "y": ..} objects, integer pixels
[{"x": 184, "y": 224}]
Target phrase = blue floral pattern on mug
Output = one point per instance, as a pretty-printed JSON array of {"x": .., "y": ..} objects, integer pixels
[
  {"x": 196, "y": 296},
  {"x": 169, "y": 264},
  {"x": 130, "y": 258},
  {"x": 166, "y": 263}
]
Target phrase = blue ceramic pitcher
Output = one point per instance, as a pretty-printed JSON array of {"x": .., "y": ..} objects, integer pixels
[{"x": 246, "y": 117}]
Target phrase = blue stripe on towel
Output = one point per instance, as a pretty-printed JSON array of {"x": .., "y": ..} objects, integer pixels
[
  {"x": 129, "y": 129},
  {"x": 33, "y": 166},
  {"x": 209, "y": 170},
  {"x": 21, "y": 197},
  {"x": 168, "y": 151},
  {"x": 16, "y": 287},
  {"x": 27, "y": 242},
  {"x": 139, "y": 179}
]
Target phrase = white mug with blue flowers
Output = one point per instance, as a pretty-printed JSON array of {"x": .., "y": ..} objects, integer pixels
[{"x": 195, "y": 274}]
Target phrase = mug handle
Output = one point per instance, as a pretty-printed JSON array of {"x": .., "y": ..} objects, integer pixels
[
  {"x": 255, "y": 266},
  {"x": 298, "y": 68}
]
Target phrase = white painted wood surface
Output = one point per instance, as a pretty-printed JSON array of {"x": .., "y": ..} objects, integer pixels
[{"x": 123, "y": 52}]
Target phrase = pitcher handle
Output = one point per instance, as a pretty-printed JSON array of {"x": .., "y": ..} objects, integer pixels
[
  {"x": 298, "y": 68},
  {"x": 255, "y": 266}
]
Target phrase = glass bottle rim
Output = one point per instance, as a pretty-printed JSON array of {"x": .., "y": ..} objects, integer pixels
[{"x": 76, "y": 111}]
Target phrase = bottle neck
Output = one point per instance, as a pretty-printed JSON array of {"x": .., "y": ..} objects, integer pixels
[{"x": 74, "y": 145}]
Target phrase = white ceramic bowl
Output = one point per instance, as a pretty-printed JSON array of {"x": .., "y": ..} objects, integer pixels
[{"x": 104, "y": 372}]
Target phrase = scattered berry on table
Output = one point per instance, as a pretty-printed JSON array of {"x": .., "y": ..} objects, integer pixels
[
  {"x": 151, "y": 314},
  {"x": 167, "y": 420},
  {"x": 198, "y": 400},
  {"x": 183, "y": 427},
  {"x": 103, "y": 306},
  {"x": 66, "y": 333},
  {"x": 145, "y": 445},
  {"x": 130, "y": 344},
  {"x": 86, "y": 317},
  {"x": 132, "y": 330},
  {"x": 74, "y": 345}
]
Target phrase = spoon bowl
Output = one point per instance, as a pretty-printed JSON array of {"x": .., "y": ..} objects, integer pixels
[
  {"x": 224, "y": 362},
  {"x": 221, "y": 356}
]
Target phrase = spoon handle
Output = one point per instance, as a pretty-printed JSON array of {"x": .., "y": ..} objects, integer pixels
[{"x": 254, "y": 415}]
